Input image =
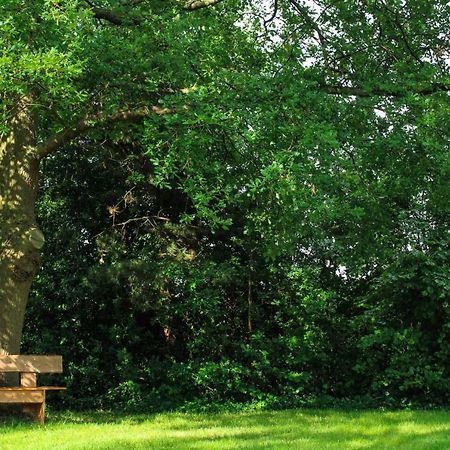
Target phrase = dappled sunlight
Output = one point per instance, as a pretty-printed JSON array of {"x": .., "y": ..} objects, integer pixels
[
  {"x": 246, "y": 208},
  {"x": 19, "y": 249}
]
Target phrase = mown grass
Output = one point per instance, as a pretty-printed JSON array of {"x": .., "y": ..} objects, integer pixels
[{"x": 292, "y": 429}]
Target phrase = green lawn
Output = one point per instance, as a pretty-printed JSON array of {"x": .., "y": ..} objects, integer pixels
[{"x": 295, "y": 429}]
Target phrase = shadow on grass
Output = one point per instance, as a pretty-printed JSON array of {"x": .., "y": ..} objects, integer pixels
[
  {"x": 306, "y": 439},
  {"x": 295, "y": 429}
]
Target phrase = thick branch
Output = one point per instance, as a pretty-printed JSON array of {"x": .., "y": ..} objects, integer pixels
[
  {"x": 401, "y": 92},
  {"x": 117, "y": 18},
  {"x": 114, "y": 17},
  {"x": 192, "y": 5},
  {"x": 91, "y": 122}
]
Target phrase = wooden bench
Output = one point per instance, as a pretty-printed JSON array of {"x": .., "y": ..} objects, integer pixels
[{"x": 28, "y": 394}]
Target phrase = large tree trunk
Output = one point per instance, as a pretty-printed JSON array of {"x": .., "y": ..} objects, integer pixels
[{"x": 20, "y": 238}]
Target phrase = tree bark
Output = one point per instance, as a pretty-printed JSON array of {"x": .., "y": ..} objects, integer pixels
[{"x": 19, "y": 250}]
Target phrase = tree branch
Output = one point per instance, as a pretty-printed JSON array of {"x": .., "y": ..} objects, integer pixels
[
  {"x": 397, "y": 22},
  {"x": 109, "y": 16},
  {"x": 400, "y": 92},
  {"x": 114, "y": 17},
  {"x": 192, "y": 5},
  {"x": 117, "y": 18},
  {"x": 56, "y": 141},
  {"x": 311, "y": 22},
  {"x": 273, "y": 16}
]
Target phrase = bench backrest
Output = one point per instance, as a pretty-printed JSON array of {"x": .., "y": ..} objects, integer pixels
[{"x": 30, "y": 365}]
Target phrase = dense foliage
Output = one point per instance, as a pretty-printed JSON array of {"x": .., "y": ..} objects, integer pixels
[{"x": 277, "y": 233}]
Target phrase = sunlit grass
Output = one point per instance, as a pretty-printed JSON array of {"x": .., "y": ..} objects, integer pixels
[{"x": 294, "y": 429}]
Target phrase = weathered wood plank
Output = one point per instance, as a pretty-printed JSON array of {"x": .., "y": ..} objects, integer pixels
[
  {"x": 31, "y": 363},
  {"x": 22, "y": 396}
]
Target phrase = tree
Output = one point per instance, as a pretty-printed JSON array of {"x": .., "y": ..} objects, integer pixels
[
  {"x": 340, "y": 165},
  {"x": 73, "y": 68},
  {"x": 69, "y": 68}
]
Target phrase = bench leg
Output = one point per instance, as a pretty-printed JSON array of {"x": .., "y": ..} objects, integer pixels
[{"x": 36, "y": 410}]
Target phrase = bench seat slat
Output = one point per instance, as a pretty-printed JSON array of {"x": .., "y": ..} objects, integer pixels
[
  {"x": 22, "y": 396},
  {"x": 31, "y": 363}
]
